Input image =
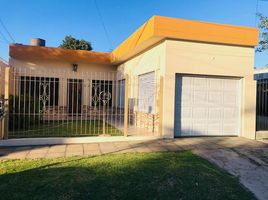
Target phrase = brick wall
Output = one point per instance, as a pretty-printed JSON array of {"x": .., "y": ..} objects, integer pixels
[{"x": 147, "y": 121}]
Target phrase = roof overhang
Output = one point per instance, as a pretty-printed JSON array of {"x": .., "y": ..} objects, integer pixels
[
  {"x": 26, "y": 52},
  {"x": 159, "y": 28}
]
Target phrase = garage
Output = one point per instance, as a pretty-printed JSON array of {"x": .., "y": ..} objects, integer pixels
[{"x": 207, "y": 105}]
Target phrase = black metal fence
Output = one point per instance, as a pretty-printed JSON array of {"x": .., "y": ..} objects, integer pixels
[{"x": 262, "y": 105}]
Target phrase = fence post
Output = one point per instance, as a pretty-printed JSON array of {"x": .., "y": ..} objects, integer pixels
[
  {"x": 1, "y": 127},
  {"x": 126, "y": 106},
  {"x": 6, "y": 105},
  {"x": 160, "y": 105}
]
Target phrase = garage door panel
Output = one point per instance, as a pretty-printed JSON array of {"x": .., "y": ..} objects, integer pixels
[
  {"x": 186, "y": 112},
  {"x": 200, "y": 84},
  {"x": 230, "y": 114},
  {"x": 215, "y": 98},
  {"x": 200, "y": 97},
  {"x": 229, "y": 129},
  {"x": 214, "y": 128},
  {"x": 215, "y": 113},
  {"x": 199, "y": 129},
  {"x": 207, "y": 106},
  {"x": 230, "y": 85},
  {"x": 186, "y": 127},
  {"x": 215, "y": 84},
  {"x": 187, "y": 82},
  {"x": 200, "y": 113},
  {"x": 187, "y": 97},
  {"x": 230, "y": 99}
]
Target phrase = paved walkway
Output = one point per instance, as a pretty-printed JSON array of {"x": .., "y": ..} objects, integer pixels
[{"x": 246, "y": 159}]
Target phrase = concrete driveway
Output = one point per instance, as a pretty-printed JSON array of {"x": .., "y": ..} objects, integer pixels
[{"x": 244, "y": 158}]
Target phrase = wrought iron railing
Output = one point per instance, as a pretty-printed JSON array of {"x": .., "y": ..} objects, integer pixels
[{"x": 57, "y": 103}]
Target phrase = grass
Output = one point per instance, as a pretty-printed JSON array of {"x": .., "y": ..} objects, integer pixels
[
  {"x": 169, "y": 175},
  {"x": 66, "y": 129}
]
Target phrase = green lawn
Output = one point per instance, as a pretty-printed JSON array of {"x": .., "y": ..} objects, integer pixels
[
  {"x": 169, "y": 175},
  {"x": 65, "y": 129}
]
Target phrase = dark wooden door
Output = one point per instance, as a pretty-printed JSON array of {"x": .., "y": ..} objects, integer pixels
[{"x": 75, "y": 96}]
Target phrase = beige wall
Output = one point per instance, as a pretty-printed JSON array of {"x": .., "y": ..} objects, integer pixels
[
  {"x": 210, "y": 59},
  {"x": 63, "y": 71},
  {"x": 152, "y": 60}
]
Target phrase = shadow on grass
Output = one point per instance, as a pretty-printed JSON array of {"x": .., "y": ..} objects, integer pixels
[
  {"x": 70, "y": 128},
  {"x": 171, "y": 175}
]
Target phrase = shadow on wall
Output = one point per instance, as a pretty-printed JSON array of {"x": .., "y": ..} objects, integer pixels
[
  {"x": 136, "y": 176},
  {"x": 177, "y": 106}
]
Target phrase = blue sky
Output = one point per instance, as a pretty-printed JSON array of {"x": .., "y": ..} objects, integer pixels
[{"x": 53, "y": 19}]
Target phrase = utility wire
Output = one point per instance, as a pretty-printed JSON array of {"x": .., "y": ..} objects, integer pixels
[
  {"x": 3, "y": 60},
  {"x": 2, "y": 23},
  {"x": 256, "y": 13},
  {"x": 103, "y": 25},
  {"x": 4, "y": 37}
]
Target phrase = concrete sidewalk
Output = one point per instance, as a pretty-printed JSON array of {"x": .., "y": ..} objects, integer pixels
[{"x": 244, "y": 158}]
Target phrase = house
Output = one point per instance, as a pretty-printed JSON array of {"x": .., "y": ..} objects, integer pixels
[
  {"x": 173, "y": 77},
  {"x": 261, "y": 73},
  {"x": 3, "y": 64}
]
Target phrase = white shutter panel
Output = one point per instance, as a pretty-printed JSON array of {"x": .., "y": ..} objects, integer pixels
[{"x": 146, "y": 92}]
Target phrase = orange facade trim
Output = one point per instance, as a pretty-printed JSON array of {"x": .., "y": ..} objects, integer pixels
[
  {"x": 26, "y": 52},
  {"x": 156, "y": 29},
  {"x": 159, "y": 28}
]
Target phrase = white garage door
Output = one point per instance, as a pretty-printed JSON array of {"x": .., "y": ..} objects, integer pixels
[{"x": 207, "y": 106}]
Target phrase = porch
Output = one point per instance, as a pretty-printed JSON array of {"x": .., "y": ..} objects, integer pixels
[{"x": 42, "y": 104}]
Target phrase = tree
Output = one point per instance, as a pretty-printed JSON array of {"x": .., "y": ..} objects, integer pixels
[
  {"x": 70, "y": 42},
  {"x": 263, "y": 26}
]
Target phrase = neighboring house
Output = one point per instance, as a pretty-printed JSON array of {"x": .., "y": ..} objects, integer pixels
[
  {"x": 189, "y": 78},
  {"x": 261, "y": 73},
  {"x": 3, "y": 64}
]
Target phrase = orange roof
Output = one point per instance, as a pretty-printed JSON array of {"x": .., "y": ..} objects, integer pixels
[
  {"x": 156, "y": 29},
  {"x": 27, "y": 52}
]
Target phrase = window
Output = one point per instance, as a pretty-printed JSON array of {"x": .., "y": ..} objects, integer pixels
[
  {"x": 99, "y": 87},
  {"x": 34, "y": 87},
  {"x": 146, "y": 92},
  {"x": 121, "y": 94}
]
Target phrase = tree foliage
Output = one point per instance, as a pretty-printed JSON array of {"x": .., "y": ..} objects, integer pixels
[
  {"x": 263, "y": 26},
  {"x": 70, "y": 42}
]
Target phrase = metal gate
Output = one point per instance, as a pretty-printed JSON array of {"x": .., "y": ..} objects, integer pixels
[
  {"x": 262, "y": 105},
  {"x": 58, "y": 103}
]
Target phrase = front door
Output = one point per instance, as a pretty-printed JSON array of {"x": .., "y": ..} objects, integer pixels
[{"x": 74, "y": 96}]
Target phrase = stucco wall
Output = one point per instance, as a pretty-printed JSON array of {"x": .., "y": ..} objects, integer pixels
[
  {"x": 210, "y": 59},
  {"x": 152, "y": 60}
]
